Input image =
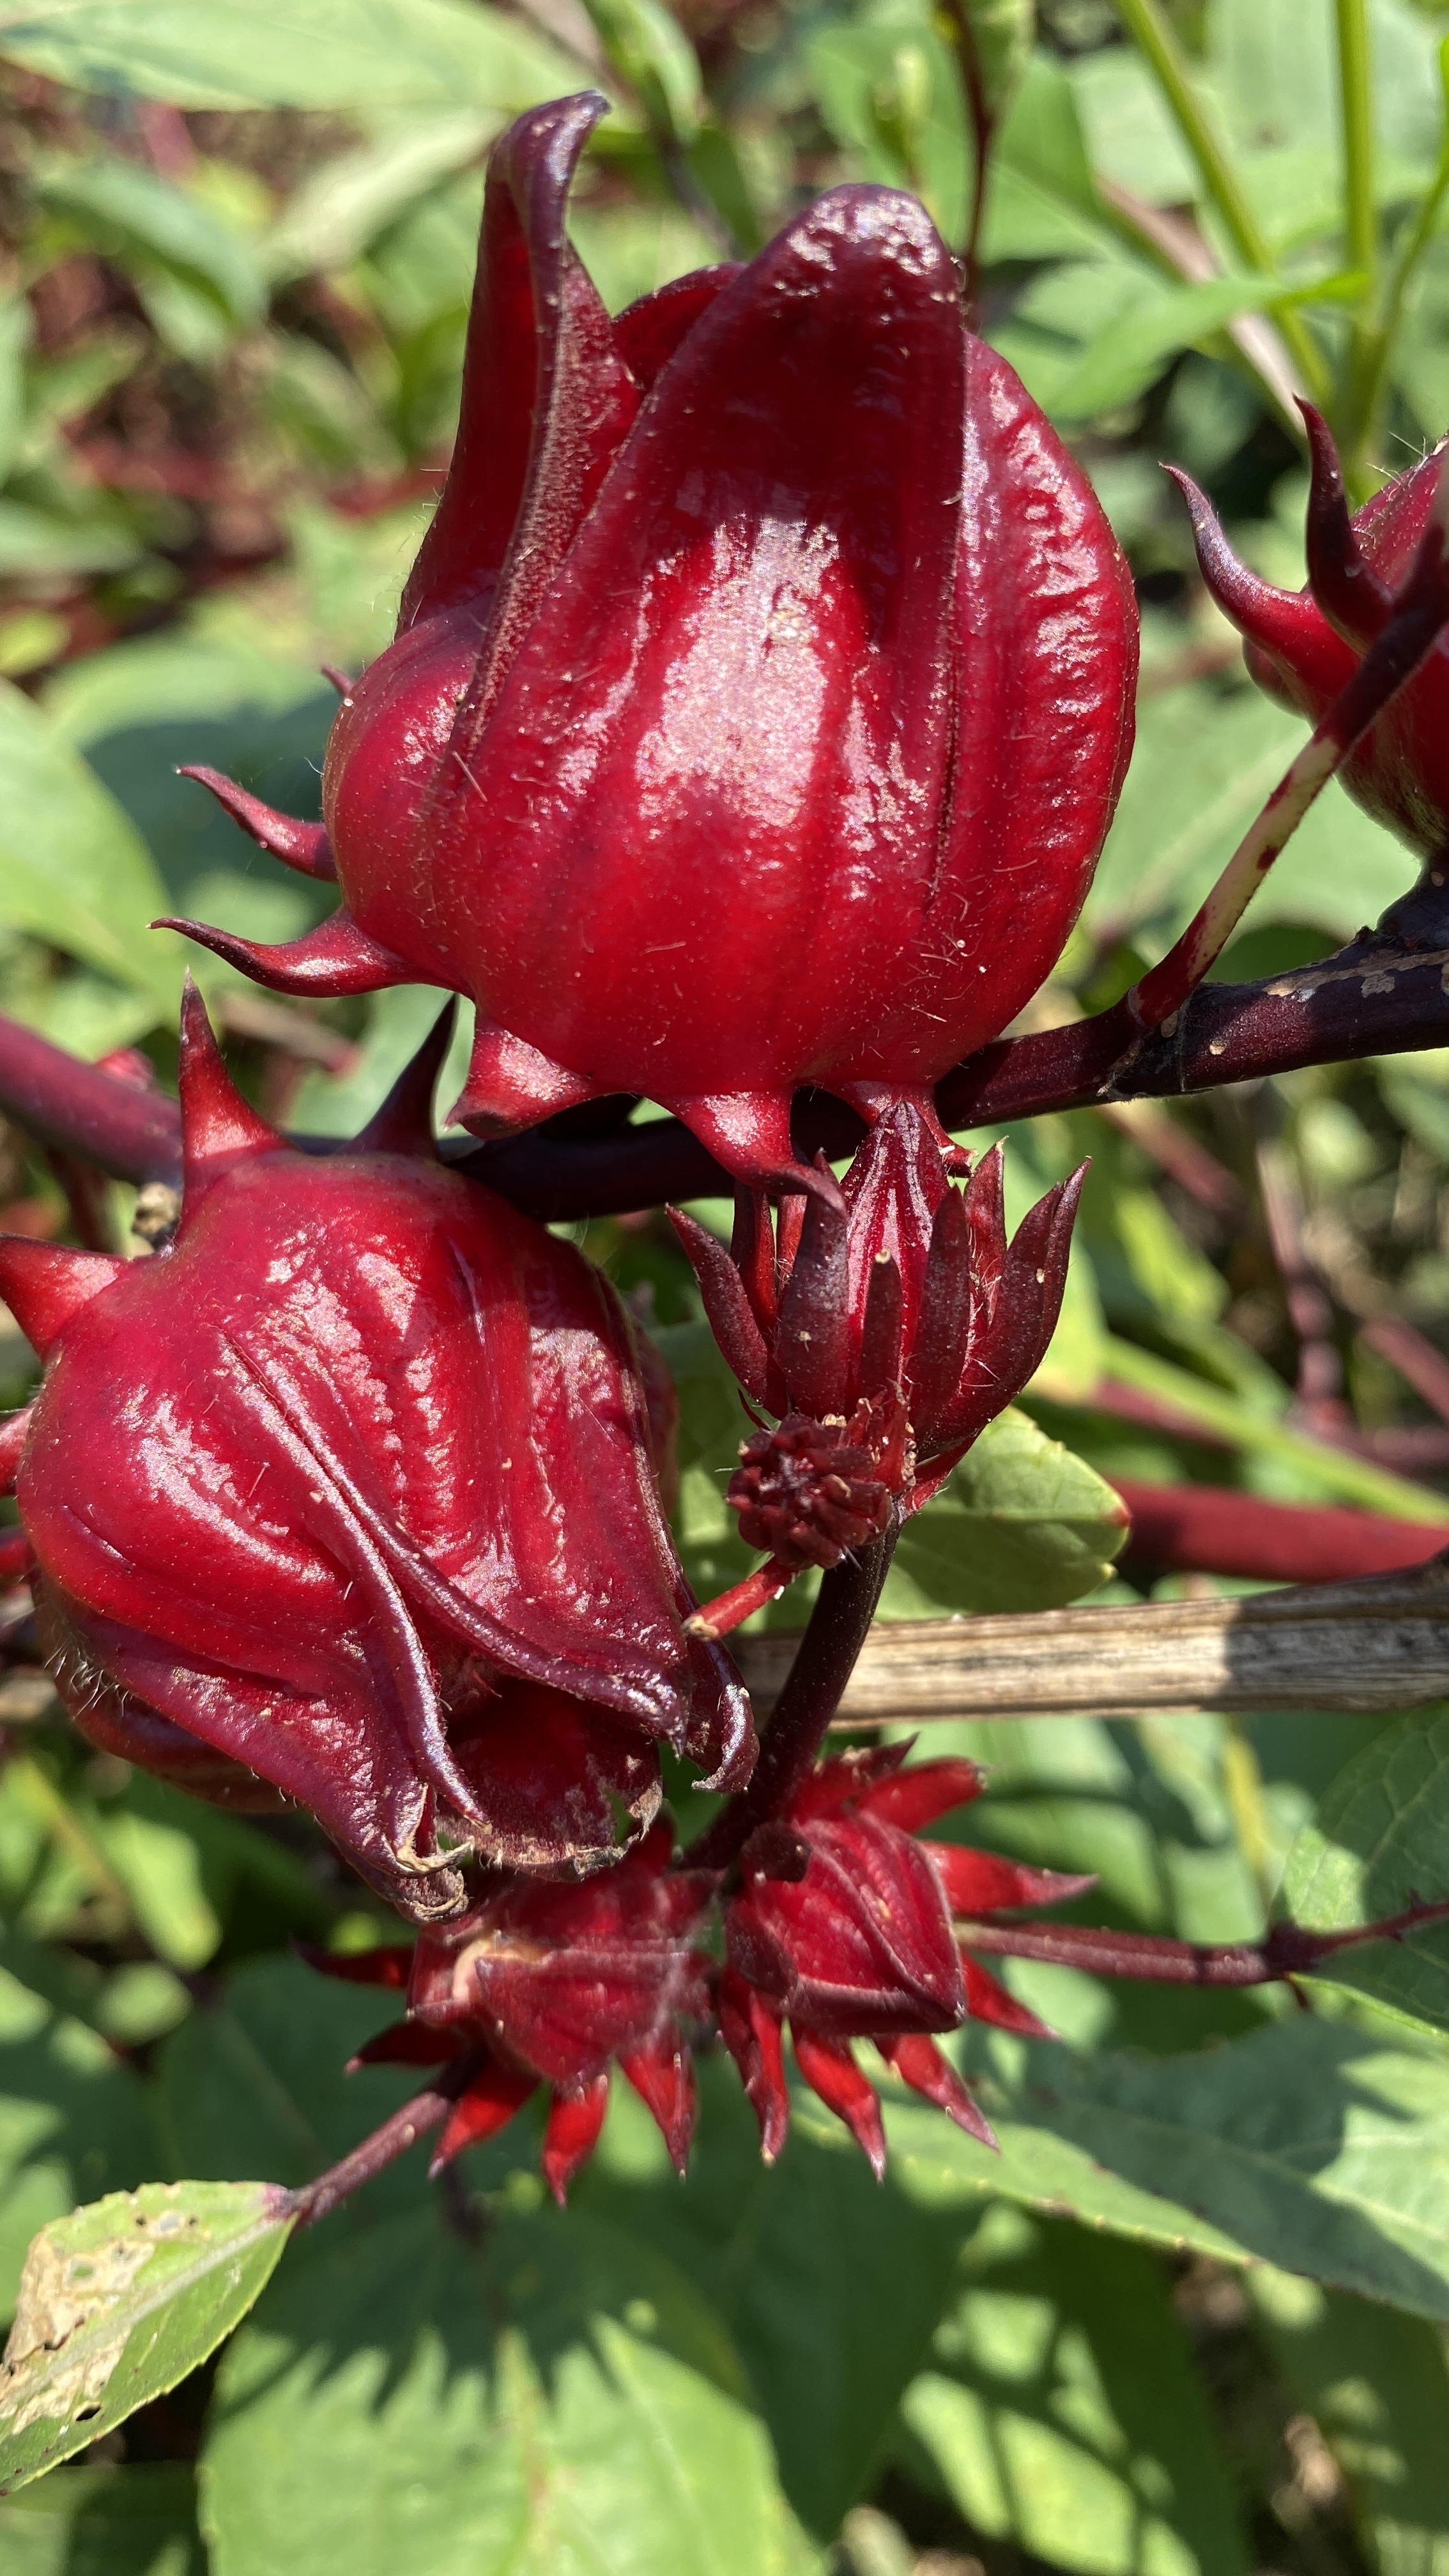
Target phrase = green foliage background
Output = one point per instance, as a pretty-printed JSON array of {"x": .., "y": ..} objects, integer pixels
[{"x": 1191, "y": 2320}]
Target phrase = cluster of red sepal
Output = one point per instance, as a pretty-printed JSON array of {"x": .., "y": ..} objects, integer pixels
[
  {"x": 842, "y": 1930},
  {"x": 545, "y": 1983},
  {"x": 348, "y": 1494},
  {"x": 886, "y": 1326},
  {"x": 1303, "y": 647},
  {"x": 761, "y": 694}
]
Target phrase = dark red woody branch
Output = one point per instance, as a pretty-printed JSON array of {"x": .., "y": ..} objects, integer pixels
[{"x": 1383, "y": 994}]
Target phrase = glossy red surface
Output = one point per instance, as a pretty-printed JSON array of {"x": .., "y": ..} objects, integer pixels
[
  {"x": 763, "y": 690},
  {"x": 1303, "y": 646},
  {"x": 351, "y": 1488}
]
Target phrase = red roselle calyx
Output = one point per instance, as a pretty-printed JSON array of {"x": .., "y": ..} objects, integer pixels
[
  {"x": 839, "y": 1925},
  {"x": 885, "y": 1332},
  {"x": 1303, "y": 647},
  {"x": 761, "y": 694},
  {"x": 543, "y": 1984},
  {"x": 349, "y": 1491},
  {"x": 842, "y": 1930}
]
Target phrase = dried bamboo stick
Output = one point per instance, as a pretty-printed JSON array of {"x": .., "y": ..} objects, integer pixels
[{"x": 1379, "y": 1643}]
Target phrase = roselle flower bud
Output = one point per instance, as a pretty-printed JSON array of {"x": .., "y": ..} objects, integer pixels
[
  {"x": 761, "y": 694},
  {"x": 349, "y": 1492},
  {"x": 842, "y": 1929},
  {"x": 545, "y": 1983},
  {"x": 1303, "y": 647},
  {"x": 885, "y": 1328}
]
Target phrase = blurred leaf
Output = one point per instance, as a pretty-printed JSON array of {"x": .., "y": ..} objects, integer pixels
[
  {"x": 16, "y": 330},
  {"x": 1204, "y": 762},
  {"x": 1377, "y": 2387},
  {"x": 72, "y": 869},
  {"x": 160, "y": 1866},
  {"x": 1130, "y": 135},
  {"x": 891, "y": 92},
  {"x": 554, "y": 2399},
  {"x": 306, "y": 53},
  {"x": 130, "y": 215},
  {"x": 341, "y": 206},
  {"x": 1273, "y": 68},
  {"x": 649, "y": 50},
  {"x": 257, "y": 2079},
  {"x": 1379, "y": 1843},
  {"x": 1305, "y": 2143},
  {"x": 135, "y": 2521},
  {"x": 1042, "y": 202},
  {"x": 119, "y": 2301},
  {"x": 630, "y": 250},
  {"x": 828, "y": 2283},
  {"x": 73, "y": 2120},
  {"x": 1334, "y": 1473},
  {"x": 1130, "y": 353},
  {"x": 1020, "y": 1525},
  {"x": 1063, "y": 2415}
]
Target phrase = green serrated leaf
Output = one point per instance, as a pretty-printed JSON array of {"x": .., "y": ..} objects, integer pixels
[
  {"x": 1379, "y": 1843},
  {"x": 1305, "y": 2144},
  {"x": 1022, "y": 1524},
  {"x": 121, "y": 2300},
  {"x": 556, "y": 2401}
]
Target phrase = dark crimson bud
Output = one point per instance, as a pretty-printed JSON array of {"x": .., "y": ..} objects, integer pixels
[
  {"x": 1303, "y": 647},
  {"x": 721, "y": 745},
  {"x": 887, "y": 1331},
  {"x": 842, "y": 1928},
  {"x": 348, "y": 1492},
  {"x": 547, "y": 1982}
]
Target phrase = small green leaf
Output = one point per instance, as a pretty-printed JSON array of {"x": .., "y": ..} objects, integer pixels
[
  {"x": 1378, "y": 1844},
  {"x": 344, "y": 203},
  {"x": 120, "y": 2301},
  {"x": 1022, "y": 1524}
]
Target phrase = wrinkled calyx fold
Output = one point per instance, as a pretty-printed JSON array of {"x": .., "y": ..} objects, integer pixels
[
  {"x": 761, "y": 693},
  {"x": 838, "y": 1927},
  {"x": 349, "y": 1494}
]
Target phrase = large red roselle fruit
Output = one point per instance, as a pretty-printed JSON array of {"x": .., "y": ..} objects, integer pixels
[
  {"x": 1303, "y": 647},
  {"x": 761, "y": 694},
  {"x": 349, "y": 1491},
  {"x": 842, "y": 1930},
  {"x": 548, "y": 1984},
  {"x": 885, "y": 1329}
]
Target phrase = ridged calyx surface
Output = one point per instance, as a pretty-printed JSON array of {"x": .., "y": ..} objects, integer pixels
[
  {"x": 885, "y": 1326},
  {"x": 349, "y": 1491},
  {"x": 842, "y": 1929},
  {"x": 762, "y": 690},
  {"x": 1303, "y": 647},
  {"x": 549, "y": 1984}
]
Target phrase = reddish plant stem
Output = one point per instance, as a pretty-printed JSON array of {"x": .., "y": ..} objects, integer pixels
[
  {"x": 839, "y": 1623},
  {"x": 425, "y": 2112},
  {"x": 1381, "y": 995},
  {"x": 1286, "y": 1949}
]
